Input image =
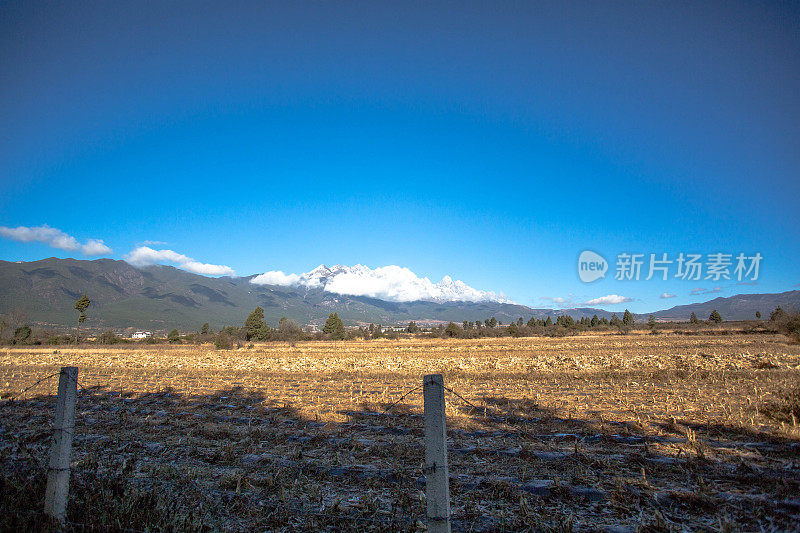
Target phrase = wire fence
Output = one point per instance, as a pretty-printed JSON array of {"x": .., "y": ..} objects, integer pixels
[
  {"x": 36, "y": 384},
  {"x": 123, "y": 424},
  {"x": 379, "y": 518}
]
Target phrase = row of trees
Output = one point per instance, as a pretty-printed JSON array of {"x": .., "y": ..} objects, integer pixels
[
  {"x": 256, "y": 328},
  {"x": 562, "y": 325},
  {"x": 713, "y": 318},
  {"x": 779, "y": 321}
]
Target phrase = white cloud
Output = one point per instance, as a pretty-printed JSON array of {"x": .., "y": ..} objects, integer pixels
[
  {"x": 391, "y": 282},
  {"x": 144, "y": 256},
  {"x": 558, "y": 301},
  {"x": 611, "y": 299},
  {"x": 95, "y": 247},
  {"x": 276, "y": 277},
  {"x": 667, "y": 295},
  {"x": 701, "y": 290},
  {"x": 55, "y": 238},
  {"x": 207, "y": 269}
]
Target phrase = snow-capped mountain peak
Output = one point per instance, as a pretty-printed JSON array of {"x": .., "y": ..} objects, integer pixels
[{"x": 391, "y": 282}]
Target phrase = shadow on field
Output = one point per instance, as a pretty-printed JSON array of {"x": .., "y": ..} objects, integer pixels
[{"x": 238, "y": 460}]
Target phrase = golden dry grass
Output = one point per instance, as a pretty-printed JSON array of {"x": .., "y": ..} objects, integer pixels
[
  {"x": 653, "y": 424},
  {"x": 708, "y": 378}
]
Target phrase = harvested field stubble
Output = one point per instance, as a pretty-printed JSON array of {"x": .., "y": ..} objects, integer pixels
[{"x": 583, "y": 432}]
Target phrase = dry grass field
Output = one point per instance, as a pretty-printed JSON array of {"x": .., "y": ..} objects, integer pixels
[{"x": 622, "y": 433}]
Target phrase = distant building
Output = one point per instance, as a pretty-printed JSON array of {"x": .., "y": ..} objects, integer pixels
[{"x": 141, "y": 335}]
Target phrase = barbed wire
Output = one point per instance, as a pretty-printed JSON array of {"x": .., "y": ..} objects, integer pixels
[
  {"x": 378, "y": 518},
  {"x": 457, "y": 395},
  {"x": 85, "y": 389},
  {"x": 461, "y": 397},
  {"x": 37, "y": 383},
  {"x": 403, "y": 397}
]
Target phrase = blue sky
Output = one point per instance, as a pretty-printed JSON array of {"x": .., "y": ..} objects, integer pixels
[{"x": 492, "y": 142}]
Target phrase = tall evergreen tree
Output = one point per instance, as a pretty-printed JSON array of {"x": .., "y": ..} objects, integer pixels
[
  {"x": 693, "y": 319},
  {"x": 565, "y": 321},
  {"x": 255, "y": 325},
  {"x": 452, "y": 330},
  {"x": 81, "y": 305},
  {"x": 627, "y": 318},
  {"x": 715, "y": 317},
  {"x": 334, "y": 327}
]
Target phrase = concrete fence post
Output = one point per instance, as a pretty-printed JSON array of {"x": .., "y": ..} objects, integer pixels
[
  {"x": 437, "y": 485},
  {"x": 55, "y": 501}
]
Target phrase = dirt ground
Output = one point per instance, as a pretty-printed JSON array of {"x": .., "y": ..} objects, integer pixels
[{"x": 617, "y": 433}]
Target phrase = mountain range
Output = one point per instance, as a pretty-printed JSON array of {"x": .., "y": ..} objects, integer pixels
[
  {"x": 161, "y": 297},
  {"x": 392, "y": 283}
]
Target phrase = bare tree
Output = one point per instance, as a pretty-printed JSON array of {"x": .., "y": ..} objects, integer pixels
[{"x": 11, "y": 320}]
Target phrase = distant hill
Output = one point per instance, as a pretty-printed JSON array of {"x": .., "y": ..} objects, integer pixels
[
  {"x": 163, "y": 297},
  {"x": 739, "y": 307}
]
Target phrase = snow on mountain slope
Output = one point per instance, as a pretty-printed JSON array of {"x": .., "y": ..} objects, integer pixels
[{"x": 393, "y": 283}]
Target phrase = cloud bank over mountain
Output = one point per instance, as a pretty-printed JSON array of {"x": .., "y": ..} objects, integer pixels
[
  {"x": 145, "y": 256},
  {"x": 392, "y": 283},
  {"x": 55, "y": 238},
  {"x": 611, "y": 299}
]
